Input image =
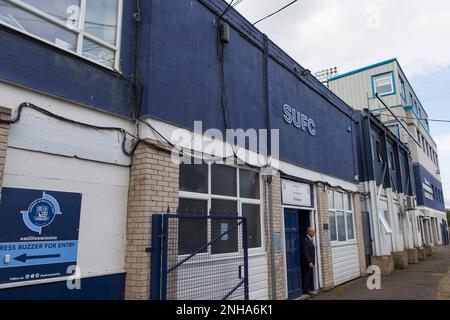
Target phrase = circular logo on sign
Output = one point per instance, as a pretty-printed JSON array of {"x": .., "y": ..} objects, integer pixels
[{"x": 41, "y": 213}]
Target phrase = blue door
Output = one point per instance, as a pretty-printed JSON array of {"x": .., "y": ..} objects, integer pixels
[{"x": 293, "y": 254}]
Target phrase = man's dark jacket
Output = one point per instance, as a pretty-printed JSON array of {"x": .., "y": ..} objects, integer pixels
[{"x": 308, "y": 252}]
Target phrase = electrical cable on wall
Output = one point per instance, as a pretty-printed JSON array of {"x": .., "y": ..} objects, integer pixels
[
  {"x": 138, "y": 141},
  {"x": 222, "y": 40},
  {"x": 124, "y": 132}
]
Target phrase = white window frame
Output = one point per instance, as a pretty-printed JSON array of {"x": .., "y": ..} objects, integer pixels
[
  {"x": 334, "y": 210},
  {"x": 383, "y": 77},
  {"x": 81, "y": 34},
  {"x": 240, "y": 201}
]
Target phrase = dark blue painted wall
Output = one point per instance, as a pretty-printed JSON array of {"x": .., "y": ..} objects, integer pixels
[
  {"x": 399, "y": 176},
  {"x": 180, "y": 70},
  {"x": 38, "y": 66},
  {"x": 420, "y": 174},
  {"x": 179, "y": 67},
  {"x": 111, "y": 287}
]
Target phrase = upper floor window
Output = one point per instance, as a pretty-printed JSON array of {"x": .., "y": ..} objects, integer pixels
[
  {"x": 392, "y": 161},
  {"x": 412, "y": 102},
  {"x": 88, "y": 28},
  {"x": 402, "y": 88},
  {"x": 379, "y": 151},
  {"x": 383, "y": 84}
]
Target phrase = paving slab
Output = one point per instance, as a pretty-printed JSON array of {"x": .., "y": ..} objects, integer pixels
[{"x": 426, "y": 280}]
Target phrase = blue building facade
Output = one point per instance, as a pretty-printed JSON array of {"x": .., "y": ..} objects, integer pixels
[{"x": 163, "y": 65}]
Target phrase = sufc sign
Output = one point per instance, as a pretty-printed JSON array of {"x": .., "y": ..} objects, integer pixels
[
  {"x": 38, "y": 234},
  {"x": 299, "y": 120}
]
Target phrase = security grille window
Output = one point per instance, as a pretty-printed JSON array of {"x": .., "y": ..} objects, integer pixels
[
  {"x": 384, "y": 84},
  {"x": 223, "y": 191},
  {"x": 340, "y": 216},
  {"x": 88, "y": 28}
]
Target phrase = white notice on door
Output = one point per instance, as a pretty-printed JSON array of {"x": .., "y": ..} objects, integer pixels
[{"x": 295, "y": 193}]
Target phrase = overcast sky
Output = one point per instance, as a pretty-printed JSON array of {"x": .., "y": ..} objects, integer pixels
[{"x": 350, "y": 34}]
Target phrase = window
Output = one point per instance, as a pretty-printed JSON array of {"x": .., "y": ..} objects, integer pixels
[
  {"x": 88, "y": 28},
  {"x": 341, "y": 216},
  {"x": 194, "y": 178},
  {"x": 412, "y": 103},
  {"x": 383, "y": 84},
  {"x": 229, "y": 242},
  {"x": 193, "y": 234},
  {"x": 350, "y": 231},
  {"x": 402, "y": 88},
  {"x": 395, "y": 129},
  {"x": 223, "y": 180},
  {"x": 219, "y": 190},
  {"x": 379, "y": 151},
  {"x": 333, "y": 232},
  {"x": 392, "y": 162},
  {"x": 251, "y": 212},
  {"x": 248, "y": 184}
]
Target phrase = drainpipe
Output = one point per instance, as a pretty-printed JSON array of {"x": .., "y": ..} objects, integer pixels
[
  {"x": 269, "y": 153},
  {"x": 271, "y": 235}
]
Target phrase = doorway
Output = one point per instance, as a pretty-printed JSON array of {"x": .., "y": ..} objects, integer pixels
[{"x": 296, "y": 223}]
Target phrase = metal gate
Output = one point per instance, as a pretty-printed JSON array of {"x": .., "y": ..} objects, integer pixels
[{"x": 199, "y": 257}]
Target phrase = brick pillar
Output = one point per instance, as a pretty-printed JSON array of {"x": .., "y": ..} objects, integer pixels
[
  {"x": 153, "y": 188},
  {"x": 5, "y": 115},
  {"x": 359, "y": 234},
  {"x": 278, "y": 217},
  {"x": 325, "y": 246}
]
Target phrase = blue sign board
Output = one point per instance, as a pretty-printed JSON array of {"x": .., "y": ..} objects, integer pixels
[{"x": 38, "y": 234}]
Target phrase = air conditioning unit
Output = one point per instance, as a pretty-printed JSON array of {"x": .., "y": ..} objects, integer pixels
[
  {"x": 438, "y": 171},
  {"x": 410, "y": 203}
]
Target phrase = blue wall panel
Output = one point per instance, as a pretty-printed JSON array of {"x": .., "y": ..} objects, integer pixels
[
  {"x": 420, "y": 175},
  {"x": 111, "y": 287},
  {"x": 180, "y": 70},
  {"x": 331, "y": 149}
]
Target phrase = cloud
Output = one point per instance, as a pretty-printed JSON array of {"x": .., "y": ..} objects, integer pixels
[{"x": 353, "y": 33}]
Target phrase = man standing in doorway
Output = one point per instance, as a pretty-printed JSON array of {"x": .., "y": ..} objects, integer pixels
[{"x": 308, "y": 259}]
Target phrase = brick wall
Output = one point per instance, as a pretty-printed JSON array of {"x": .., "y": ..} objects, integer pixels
[
  {"x": 153, "y": 188},
  {"x": 359, "y": 234},
  {"x": 5, "y": 115},
  {"x": 278, "y": 227},
  {"x": 325, "y": 247}
]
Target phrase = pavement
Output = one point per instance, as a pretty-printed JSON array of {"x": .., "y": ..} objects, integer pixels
[{"x": 426, "y": 280}]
